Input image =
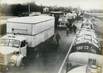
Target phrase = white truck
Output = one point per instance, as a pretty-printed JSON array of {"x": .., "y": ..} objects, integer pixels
[{"x": 23, "y": 32}]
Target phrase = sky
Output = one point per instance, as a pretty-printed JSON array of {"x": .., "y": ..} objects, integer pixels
[{"x": 84, "y": 4}]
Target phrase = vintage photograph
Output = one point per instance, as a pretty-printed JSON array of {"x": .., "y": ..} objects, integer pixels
[{"x": 51, "y": 36}]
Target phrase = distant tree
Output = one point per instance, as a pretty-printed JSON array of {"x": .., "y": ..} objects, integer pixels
[
  {"x": 5, "y": 9},
  {"x": 18, "y": 9}
]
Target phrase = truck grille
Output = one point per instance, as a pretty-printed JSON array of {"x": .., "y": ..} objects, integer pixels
[{"x": 1, "y": 58}]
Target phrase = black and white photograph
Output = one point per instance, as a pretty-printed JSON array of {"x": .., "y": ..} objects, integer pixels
[{"x": 51, "y": 36}]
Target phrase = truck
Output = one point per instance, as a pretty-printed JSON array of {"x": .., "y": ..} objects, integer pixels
[
  {"x": 23, "y": 32},
  {"x": 86, "y": 53}
]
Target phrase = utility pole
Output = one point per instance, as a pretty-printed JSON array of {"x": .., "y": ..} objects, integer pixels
[{"x": 29, "y": 8}]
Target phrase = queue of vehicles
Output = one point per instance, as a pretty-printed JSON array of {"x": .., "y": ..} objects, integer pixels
[
  {"x": 85, "y": 56},
  {"x": 63, "y": 17},
  {"x": 24, "y": 32}
]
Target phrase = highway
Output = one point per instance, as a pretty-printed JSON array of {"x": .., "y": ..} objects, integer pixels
[{"x": 51, "y": 58}]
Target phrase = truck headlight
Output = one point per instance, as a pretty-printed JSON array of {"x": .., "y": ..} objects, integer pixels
[{"x": 13, "y": 60}]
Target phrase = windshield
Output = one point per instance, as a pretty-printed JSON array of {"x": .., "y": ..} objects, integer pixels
[{"x": 10, "y": 43}]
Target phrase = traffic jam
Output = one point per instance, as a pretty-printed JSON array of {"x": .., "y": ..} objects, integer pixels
[{"x": 52, "y": 42}]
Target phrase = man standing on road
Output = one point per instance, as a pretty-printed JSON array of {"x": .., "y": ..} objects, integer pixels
[
  {"x": 74, "y": 28},
  {"x": 57, "y": 37},
  {"x": 69, "y": 18}
]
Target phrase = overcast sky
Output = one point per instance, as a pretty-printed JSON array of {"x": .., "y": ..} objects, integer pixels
[{"x": 85, "y": 4}]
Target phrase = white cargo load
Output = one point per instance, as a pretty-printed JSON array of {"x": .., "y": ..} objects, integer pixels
[
  {"x": 82, "y": 58},
  {"x": 80, "y": 69},
  {"x": 36, "y": 29}
]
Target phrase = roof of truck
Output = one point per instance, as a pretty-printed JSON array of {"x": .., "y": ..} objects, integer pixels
[{"x": 31, "y": 19}]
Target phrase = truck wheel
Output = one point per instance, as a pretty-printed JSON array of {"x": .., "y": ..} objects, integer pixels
[{"x": 24, "y": 61}]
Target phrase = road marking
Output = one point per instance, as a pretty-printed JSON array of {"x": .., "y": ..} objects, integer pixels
[{"x": 61, "y": 67}]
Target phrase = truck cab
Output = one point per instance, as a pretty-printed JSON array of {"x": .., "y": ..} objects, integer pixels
[{"x": 13, "y": 49}]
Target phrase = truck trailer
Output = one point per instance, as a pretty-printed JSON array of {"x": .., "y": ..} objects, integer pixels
[{"x": 36, "y": 29}]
